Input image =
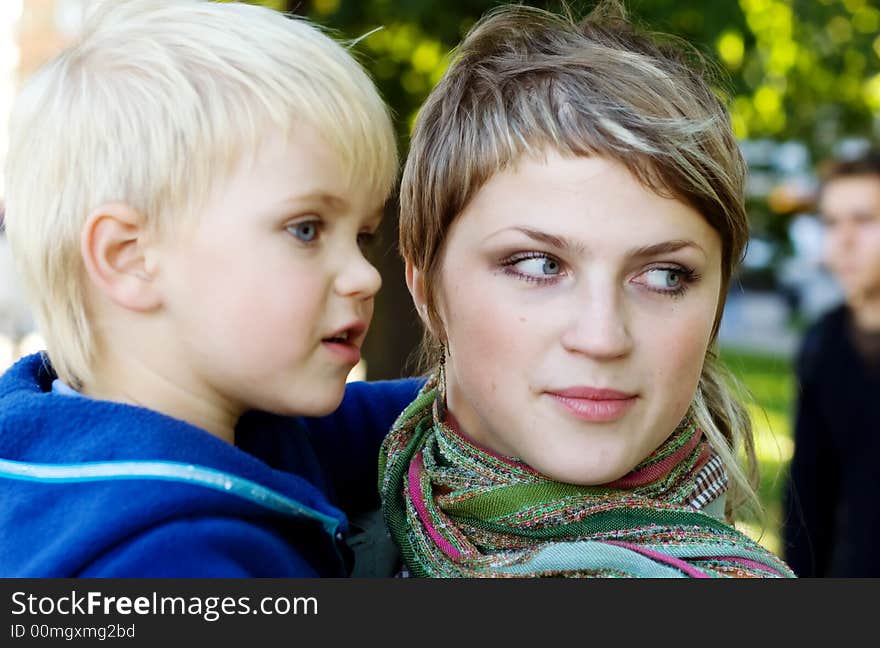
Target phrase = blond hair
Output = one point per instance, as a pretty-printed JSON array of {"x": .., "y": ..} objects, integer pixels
[
  {"x": 525, "y": 81},
  {"x": 153, "y": 106}
]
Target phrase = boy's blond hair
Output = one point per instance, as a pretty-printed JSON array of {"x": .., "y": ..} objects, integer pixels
[{"x": 154, "y": 105}]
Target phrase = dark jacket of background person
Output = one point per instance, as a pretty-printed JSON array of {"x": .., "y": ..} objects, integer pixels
[{"x": 833, "y": 514}]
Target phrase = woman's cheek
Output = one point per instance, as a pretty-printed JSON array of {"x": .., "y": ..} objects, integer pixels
[{"x": 683, "y": 356}]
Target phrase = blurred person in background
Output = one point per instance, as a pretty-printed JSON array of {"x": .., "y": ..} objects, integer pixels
[{"x": 833, "y": 519}]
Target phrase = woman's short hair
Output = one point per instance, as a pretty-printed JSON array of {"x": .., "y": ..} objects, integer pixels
[{"x": 525, "y": 81}]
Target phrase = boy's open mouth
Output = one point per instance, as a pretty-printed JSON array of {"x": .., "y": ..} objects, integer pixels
[
  {"x": 352, "y": 334},
  {"x": 345, "y": 343}
]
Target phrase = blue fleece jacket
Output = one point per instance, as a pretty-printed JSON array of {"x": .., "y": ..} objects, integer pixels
[{"x": 92, "y": 488}]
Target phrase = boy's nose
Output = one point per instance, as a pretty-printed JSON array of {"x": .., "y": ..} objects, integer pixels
[{"x": 358, "y": 278}]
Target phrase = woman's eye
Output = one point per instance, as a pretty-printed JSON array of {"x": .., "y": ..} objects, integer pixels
[
  {"x": 306, "y": 231},
  {"x": 664, "y": 279},
  {"x": 539, "y": 266}
]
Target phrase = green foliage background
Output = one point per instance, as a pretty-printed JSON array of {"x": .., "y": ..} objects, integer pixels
[{"x": 793, "y": 69}]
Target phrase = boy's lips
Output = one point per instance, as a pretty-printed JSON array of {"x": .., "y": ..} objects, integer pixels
[{"x": 346, "y": 341}]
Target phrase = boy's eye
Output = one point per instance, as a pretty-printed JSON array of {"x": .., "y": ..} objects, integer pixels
[
  {"x": 538, "y": 266},
  {"x": 306, "y": 231},
  {"x": 365, "y": 240}
]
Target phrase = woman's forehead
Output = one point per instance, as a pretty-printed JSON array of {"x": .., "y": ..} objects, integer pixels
[{"x": 582, "y": 202}]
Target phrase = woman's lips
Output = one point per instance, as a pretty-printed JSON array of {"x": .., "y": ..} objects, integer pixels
[{"x": 593, "y": 404}]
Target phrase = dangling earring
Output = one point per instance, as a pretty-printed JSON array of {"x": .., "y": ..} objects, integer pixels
[{"x": 441, "y": 378}]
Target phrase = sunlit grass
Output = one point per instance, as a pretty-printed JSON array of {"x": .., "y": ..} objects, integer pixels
[
  {"x": 773, "y": 442},
  {"x": 770, "y": 382}
]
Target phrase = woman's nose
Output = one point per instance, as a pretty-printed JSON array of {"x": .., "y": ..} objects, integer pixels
[{"x": 598, "y": 327}]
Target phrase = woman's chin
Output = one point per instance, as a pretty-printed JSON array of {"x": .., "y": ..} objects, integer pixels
[{"x": 562, "y": 469}]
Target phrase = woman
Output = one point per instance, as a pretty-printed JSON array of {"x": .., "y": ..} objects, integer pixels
[{"x": 571, "y": 215}]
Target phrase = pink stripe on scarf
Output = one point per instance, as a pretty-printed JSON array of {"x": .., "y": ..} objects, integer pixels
[
  {"x": 416, "y": 466},
  {"x": 655, "y": 471},
  {"x": 678, "y": 563},
  {"x": 754, "y": 564}
]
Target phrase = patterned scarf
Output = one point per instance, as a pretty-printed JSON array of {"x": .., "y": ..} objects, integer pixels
[{"x": 455, "y": 509}]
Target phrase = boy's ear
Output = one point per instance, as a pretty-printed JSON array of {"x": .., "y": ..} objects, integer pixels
[{"x": 116, "y": 256}]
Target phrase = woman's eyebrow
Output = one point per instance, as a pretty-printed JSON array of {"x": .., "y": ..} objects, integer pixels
[
  {"x": 552, "y": 240},
  {"x": 665, "y": 248},
  {"x": 562, "y": 243}
]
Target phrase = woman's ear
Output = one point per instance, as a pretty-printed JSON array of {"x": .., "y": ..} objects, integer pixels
[
  {"x": 416, "y": 285},
  {"x": 114, "y": 247}
]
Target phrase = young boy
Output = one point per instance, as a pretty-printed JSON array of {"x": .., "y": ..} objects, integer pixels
[{"x": 189, "y": 190}]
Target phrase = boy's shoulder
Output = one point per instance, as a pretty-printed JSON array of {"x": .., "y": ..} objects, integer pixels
[
  {"x": 147, "y": 528},
  {"x": 93, "y": 485}
]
